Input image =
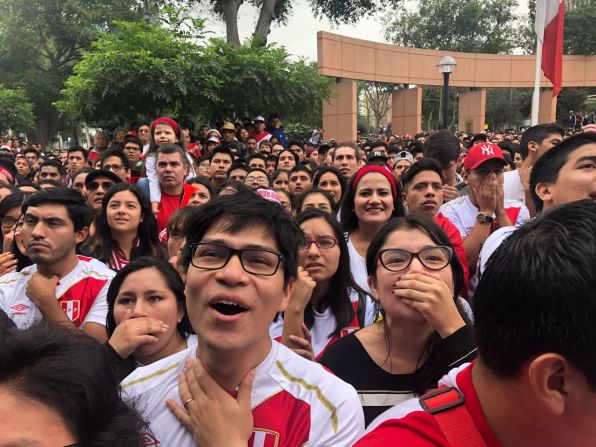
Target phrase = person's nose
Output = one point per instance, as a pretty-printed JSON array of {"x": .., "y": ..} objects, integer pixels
[
  {"x": 232, "y": 273},
  {"x": 139, "y": 309}
]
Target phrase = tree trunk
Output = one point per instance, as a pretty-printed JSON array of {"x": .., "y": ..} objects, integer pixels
[
  {"x": 263, "y": 27},
  {"x": 230, "y": 12}
]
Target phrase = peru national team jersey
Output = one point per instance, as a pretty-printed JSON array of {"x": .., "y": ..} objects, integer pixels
[
  {"x": 295, "y": 402},
  {"x": 81, "y": 293},
  {"x": 325, "y": 324},
  {"x": 407, "y": 424}
]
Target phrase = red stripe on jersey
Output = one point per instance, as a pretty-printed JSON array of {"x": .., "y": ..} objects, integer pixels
[
  {"x": 77, "y": 301},
  {"x": 287, "y": 420}
]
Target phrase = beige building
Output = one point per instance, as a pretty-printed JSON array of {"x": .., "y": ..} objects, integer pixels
[{"x": 347, "y": 59}]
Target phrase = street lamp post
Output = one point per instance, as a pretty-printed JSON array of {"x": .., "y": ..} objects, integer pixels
[{"x": 446, "y": 67}]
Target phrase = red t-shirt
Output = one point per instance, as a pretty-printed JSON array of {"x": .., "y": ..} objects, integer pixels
[
  {"x": 458, "y": 246},
  {"x": 407, "y": 424},
  {"x": 93, "y": 155},
  {"x": 169, "y": 204}
]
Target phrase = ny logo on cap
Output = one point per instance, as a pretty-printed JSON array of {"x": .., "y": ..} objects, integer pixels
[{"x": 487, "y": 150}]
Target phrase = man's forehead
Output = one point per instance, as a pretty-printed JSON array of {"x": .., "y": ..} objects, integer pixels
[
  {"x": 169, "y": 157},
  {"x": 426, "y": 176},
  {"x": 48, "y": 210},
  {"x": 255, "y": 233}
]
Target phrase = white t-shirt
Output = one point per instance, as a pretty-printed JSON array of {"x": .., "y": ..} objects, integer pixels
[
  {"x": 514, "y": 190},
  {"x": 491, "y": 244},
  {"x": 325, "y": 324},
  {"x": 462, "y": 213},
  {"x": 358, "y": 267},
  {"x": 295, "y": 402},
  {"x": 81, "y": 293}
]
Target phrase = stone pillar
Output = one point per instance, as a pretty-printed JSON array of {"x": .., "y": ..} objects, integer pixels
[
  {"x": 340, "y": 112},
  {"x": 406, "y": 106},
  {"x": 472, "y": 111},
  {"x": 548, "y": 107}
]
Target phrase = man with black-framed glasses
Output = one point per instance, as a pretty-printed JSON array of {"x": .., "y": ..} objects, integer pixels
[{"x": 242, "y": 260}]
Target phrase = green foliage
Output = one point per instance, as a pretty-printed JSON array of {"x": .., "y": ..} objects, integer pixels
[
  {"x": 16, "y": 110},
  {"x": 298, "y": 131},
  {"x": 257, "y": 80},
  {"x": 476, "y": 26},
  {"x": 40, "y": 41},
  {"x": 507, "y": 108},
  {"x": 350, "y": 11},
  {"x": 139, "y": 68}
]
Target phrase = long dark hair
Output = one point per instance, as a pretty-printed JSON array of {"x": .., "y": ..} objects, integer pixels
[
  {"x": 424, "y": 377},
  {"x": 169, "y": 274},
  {"x": 349, "y": 220},
  {"x": 340, "y": 178},
  {"x": 341, "y": 283},
  {"x": 101, "y": 244}
]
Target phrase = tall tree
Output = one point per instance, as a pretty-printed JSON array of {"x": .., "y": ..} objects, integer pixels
[
  {"x": 40, "y": 41},
  {"x": 338, "y": 11},
  {"x": 476, "y": 26}
]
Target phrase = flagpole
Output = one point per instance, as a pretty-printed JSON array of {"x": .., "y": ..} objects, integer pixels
[{"x": 537, "y": 77}]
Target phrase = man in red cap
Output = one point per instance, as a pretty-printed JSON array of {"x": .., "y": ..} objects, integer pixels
[{"x": 485, "y": 209}]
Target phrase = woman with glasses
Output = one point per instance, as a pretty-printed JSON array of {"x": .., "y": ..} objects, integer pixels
[
  {"x": 10, "y": 211},
  {"x": 257, "y": 178},
  {"x": 125, "y": 228},
  {"x": 325, "y": 303},
  {"x": 417, "y": 282}
]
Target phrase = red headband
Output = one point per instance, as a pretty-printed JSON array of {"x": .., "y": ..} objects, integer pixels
[
  {"x": 381, "y": 170},
  {"x": 169, "y": 121},
  {"x": 7, "y": 174}
]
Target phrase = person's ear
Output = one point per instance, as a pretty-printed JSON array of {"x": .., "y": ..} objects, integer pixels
[
  {"x": 81, "y": 235},
  {"x": 287, "y": 291},
  {"x": 372, "y": 285},
  {"x": 466, "y": 177},
  {"x": 533, "y": 146},
  {"x": 544, "y": 191},
  {"x": 552, "y": 382},
  {"x": 404, "y": 198}
]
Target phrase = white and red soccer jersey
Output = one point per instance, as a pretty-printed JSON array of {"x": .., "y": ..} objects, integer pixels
[
  {"x": 407, "y": 424},
  {"x": 81, "y": 293},
  {"x": 462, "y": 213},
  {"x": 325, "y": 324},
  {"x": 295, "y": 402}
]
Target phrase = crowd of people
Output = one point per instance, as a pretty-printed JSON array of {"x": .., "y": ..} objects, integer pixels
[{"x": 234, "y": 287}]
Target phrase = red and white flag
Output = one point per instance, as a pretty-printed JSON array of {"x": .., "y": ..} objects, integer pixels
[{"x": 549, "y": 29}]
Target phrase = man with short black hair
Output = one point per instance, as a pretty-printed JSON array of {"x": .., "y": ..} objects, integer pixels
[
  {"x": 52, "y": 169},
  {"x": 444, "y": 146},
  {"x": 534, "y": 383},
  {"x": 298, "y": 148},
  {"x": 346, "y": 159},
  {"x": 60, "y": 287},
  {"x": 241, "y": 253},
  {"x": 276, "y": 129},
  {"x": 220, "y": 161},
  {"x": 300, "y": 179},
  {"x": 75, "y": 160},
  {"x": 101, "y": 142},
  {"x": 257, "y": 160},
  {"x": 535, "y": 142},
  {"x": 115, "y": 161}
]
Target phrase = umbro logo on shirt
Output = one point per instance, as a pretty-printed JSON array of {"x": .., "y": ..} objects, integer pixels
[{"x": 19, "y": 307}]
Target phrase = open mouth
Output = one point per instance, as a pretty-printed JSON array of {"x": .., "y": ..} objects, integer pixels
[{"x": 228, "y": 307}]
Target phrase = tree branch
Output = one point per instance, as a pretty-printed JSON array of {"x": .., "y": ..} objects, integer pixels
[{"x": 266, "y": 17}]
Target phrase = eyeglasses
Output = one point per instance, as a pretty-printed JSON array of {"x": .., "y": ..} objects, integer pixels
[
  {"x": 323, "y": 243},
  {"x": 252, "y": 179},
  {"x": 132, "y": 148},
  {"x": 95, "y": 185},
  {"x": 8, "y": 221},
  {"x": 115, "y": 167},
  {"x": 256, "y": 261},
  {"x": 433, "y": 258}
]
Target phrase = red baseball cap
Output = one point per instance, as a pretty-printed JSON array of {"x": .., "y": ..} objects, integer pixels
[{"x": 481, "y": 153}]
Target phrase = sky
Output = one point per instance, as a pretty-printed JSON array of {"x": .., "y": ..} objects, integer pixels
[{"x": 299, "y": 36}]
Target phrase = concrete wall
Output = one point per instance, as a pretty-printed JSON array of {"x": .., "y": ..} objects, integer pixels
[
  {"x": 407, "y": 111},
  {"x": 472, "y": 109},
  {"x": 346, "y": 57},
  {"x": 340, "y": 112}
]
